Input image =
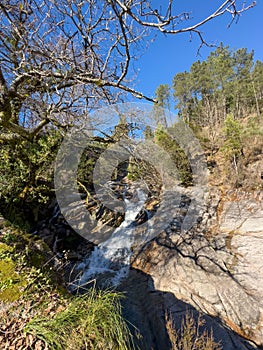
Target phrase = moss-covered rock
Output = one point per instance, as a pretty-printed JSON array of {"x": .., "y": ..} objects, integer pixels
[
  {"x": 22, "y": 257},
  {"x": 11, "y": 283}
]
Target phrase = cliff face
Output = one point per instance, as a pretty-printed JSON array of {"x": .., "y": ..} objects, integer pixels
[{"x": 216, "y": 267}]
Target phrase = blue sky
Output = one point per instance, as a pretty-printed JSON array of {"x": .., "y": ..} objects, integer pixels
[{"x": 168, "y": 55}]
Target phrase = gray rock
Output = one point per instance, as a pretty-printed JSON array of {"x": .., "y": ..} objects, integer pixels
[
  {"x": 221, "y": 275},
  {"x": 243, "y": 216}
]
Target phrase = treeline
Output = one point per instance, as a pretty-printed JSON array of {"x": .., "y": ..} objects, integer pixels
[{"x": 227, "y": 82}]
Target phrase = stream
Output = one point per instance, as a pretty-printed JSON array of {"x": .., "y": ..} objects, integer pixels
[{"x": 110, "y": 260}]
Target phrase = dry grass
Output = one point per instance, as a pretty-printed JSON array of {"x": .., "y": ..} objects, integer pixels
[{"x": 190, "y": 336}]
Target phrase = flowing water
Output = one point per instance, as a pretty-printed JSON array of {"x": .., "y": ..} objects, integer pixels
[{"x": 111, "y": 259}]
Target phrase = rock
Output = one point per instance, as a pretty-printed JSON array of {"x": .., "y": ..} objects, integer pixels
[
  {"x": 146, "y": 308},
  {"x": 214, "y": 268},
  {"x": 220, "y": 275},
  {"x": 242, "y": 216}
]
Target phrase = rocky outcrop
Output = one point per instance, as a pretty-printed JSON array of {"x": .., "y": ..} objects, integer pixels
[{"x": 217, "y": 265}]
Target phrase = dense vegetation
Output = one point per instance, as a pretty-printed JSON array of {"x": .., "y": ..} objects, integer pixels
[{"x": 227, "y": 82}]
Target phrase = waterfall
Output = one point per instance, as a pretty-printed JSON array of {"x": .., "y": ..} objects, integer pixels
[{"x": 111, "y": 259}]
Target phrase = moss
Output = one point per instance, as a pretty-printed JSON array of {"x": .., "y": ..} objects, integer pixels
[
  {"x": 7, "y": 268},
  {"x": 5, "y": 248},
  {"x": 11, "y": 294},
  {"x": 18, "y": 262},
  {"x": 11, "y": 283}
]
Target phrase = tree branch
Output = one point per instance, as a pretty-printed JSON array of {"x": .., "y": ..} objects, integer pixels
[
  {"x": 163, "y": 23},
  {"x": 63, "y": 59}
]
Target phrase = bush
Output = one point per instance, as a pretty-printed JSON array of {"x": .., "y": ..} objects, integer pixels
[
  {"x": 233, "y": 137},
  {"x": 26, "y": 173}
]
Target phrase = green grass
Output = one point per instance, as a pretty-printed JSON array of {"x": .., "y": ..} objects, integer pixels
[
  {"x": 91, "y": 321},
  {"x": 60, "y": 320}
]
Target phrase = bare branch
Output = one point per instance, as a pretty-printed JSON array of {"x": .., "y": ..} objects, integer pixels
[
  {"x": 10, "y": 137},
  {"x": 60, "y": 60},
  {"x": 39, "y": 127}
]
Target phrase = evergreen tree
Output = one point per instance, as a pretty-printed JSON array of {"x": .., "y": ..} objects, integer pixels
[
  {"x": 233, "y": 146},
  {"x": 242, "y": 87},
  {"x": 163, "y": 102},
  {"x": 226, "y": 82},
  {"x": 183, "y": 95},
  {"x": 257, "y": 84}
]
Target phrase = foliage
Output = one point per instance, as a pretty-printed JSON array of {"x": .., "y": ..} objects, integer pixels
[
  {"x": 86, "y": 164},
  {"x": 176, "y": 153},
  {"x": 26, "y": 175},
  {"x": 163, "y": 95},
  {"x": 169, "y": 150},
  {"x": 235, "y": 158},
  {"x": 18, "y": 266},
  {"x": 57, "y": 63},
  {"x": 227, "y": 82},
  {"x": 23, "y": 267},
  {"x": 233, "y": 137}
]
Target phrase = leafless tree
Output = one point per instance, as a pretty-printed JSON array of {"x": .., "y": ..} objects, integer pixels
[{"x": 60, "y": 59}]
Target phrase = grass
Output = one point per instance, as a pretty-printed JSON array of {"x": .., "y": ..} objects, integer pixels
[
  {"x": 91, "y": 321},
  {"x": 192, "y": 335},
  {"x": 44, "y": 312},
  {"x": 37, "y": 308}
]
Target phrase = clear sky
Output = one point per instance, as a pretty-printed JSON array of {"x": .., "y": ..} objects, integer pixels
[{"x": 169, "y": 55}]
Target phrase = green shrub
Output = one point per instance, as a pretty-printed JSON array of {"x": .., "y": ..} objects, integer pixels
[
  {"x": 26, "y": 173},
  {"x": 233, "y": 137}
]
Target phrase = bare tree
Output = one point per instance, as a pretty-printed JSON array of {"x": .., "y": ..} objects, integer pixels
[{"x": 60, "y": 59}]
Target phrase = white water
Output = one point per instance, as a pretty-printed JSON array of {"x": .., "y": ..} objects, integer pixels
[{"x": 112, "y": 257}]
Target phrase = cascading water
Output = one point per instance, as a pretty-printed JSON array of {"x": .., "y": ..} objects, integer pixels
[{"x": 112, "y": 257}]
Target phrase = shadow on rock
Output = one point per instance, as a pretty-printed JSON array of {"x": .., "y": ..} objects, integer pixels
[{"x": 146, "y": 309}]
